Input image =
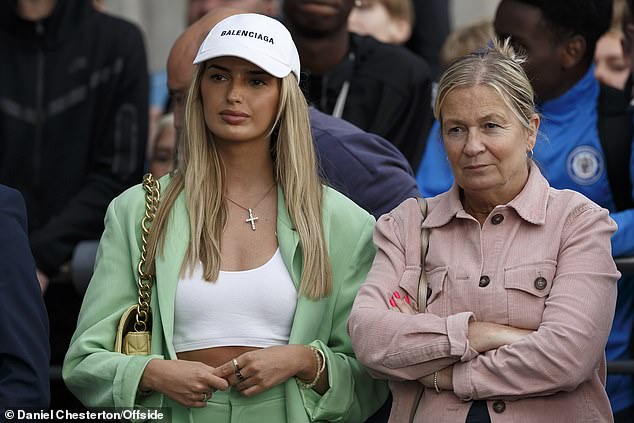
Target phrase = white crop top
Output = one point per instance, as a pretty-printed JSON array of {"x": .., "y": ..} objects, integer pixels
[{"x": 253, "y": 308}]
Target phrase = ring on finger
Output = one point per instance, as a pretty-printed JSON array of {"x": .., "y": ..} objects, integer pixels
[
  {"x": 236, "y": 370},
  {"x": 206, "y": 396}
]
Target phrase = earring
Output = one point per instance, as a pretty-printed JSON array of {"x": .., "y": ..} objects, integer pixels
[{"x": 530, "y": 154}]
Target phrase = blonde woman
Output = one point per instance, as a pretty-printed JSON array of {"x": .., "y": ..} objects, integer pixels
[
  {"x": 522, "y": 284},
  {"x": 257, "y": 263}
]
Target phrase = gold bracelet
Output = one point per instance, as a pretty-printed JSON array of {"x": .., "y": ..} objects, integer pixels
[
  {"x": 320, "y": 366},
  {"x": 438, "y": 390}
]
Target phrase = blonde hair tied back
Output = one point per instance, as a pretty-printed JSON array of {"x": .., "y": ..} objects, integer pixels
[{"x": 499, "y": 67}]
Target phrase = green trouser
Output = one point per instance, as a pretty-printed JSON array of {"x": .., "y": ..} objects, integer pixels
[{"x": 233, "y": 407}]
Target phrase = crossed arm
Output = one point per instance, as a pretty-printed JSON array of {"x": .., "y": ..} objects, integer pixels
[
  {"x": 478, "y": 360},
  {"x": 482, "y": 336}
]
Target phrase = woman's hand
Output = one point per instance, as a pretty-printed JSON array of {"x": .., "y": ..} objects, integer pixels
[
  {"x": 402, "y": 303},
  {"x": 189, "y": 383},
  {"x": 444, "y": 382},
  {"x": 485, "y": 336},
  {"x": 267, "y": 367}
]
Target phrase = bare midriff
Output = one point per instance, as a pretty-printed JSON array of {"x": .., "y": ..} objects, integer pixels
[{"x": 214, "y": 357}]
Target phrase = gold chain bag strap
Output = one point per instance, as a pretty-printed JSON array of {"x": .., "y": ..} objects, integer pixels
[
  {"x": 134, "y": 332},
  {"x": 423, "y": 288}
]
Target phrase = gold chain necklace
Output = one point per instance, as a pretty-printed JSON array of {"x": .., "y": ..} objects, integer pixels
[{"x": 251, "y": 219}]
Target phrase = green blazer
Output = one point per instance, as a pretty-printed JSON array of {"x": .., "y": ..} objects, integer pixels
[{"x": 102, "y": 378}]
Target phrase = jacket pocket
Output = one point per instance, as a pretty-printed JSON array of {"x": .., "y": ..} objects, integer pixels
[
  {"x": 527, "y": 287},
  {"x": 437, "y": 298},
  {"x": 409, "y": 283}
]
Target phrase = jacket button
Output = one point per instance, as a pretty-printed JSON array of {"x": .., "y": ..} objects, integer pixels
[
  {"x": 497, "y": 219},
  {"x": 499, "y": 406},
  {"x": 540, "y": 283},
  {"x": 484, "y": 281}
]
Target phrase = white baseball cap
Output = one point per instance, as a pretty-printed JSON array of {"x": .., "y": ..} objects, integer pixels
[{"x": 257, "y": 38}]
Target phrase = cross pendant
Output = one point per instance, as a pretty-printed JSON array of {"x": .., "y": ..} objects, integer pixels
[{"x": 251, "y": 219}]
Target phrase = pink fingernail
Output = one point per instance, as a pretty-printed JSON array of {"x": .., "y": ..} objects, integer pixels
[
  {"x": 407, "y": 299},
  {"x": 396, "y": 294},
  {"x": 392, "y": 302}
]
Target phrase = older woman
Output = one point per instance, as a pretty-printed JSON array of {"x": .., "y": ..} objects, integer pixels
[
  {"x": 521, "y": 277},
  {"x": 257, "y": 263}
]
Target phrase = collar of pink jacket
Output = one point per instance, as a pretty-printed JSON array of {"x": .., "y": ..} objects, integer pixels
[{"x": 530, "y": 204}]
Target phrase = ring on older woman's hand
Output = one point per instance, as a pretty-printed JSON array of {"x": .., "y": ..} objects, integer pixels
[{"x": 206, "y": 396}]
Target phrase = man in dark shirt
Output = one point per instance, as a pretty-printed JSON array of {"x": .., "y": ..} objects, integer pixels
[
  {"x": 381, "y": 88},
  {"x": 73, "y": 118}
]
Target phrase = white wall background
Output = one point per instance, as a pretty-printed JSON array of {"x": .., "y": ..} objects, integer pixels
[
  {"x": 162, "y": 21},
  {"x": 464, "y": 12}
]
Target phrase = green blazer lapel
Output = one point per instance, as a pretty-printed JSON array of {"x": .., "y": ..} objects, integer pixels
[
  {"x": 308, "y": 314},
  {"x": 168, "y": 267}
]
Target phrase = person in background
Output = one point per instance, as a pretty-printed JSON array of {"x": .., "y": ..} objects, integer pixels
[
  {"x": 521, "y": 280},
  {"x": 163, "y": 157},
  {"x": 73, "y": 120},
  {"x": 196, "y": 9},
  {"x": 363, "y": 166},
  {"x": 99, "y": 5},
  {"x": 465, "y": 40},
  {"x": 628, "y": 53},
  {"x": 257, "y": 262},
  {"x": 381, "y": 88},
  {"x": 460, "y": 42},
  {"x": 431, "y": 28},
  {"x": 389, "y": 21},
  {"x": 24, "y": 346},
  {"x": 610, "y": 66}
]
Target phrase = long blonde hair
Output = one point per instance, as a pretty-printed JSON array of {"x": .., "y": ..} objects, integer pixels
[{"x": 200, "y": 173}]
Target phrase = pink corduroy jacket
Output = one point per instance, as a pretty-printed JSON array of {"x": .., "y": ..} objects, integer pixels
[{"x": 542, "y": 262}]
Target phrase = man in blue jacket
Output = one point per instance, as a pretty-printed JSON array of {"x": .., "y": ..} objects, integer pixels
[
  {"x": 559, "y": 39},
  {"x": 24, "y": 346}
]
